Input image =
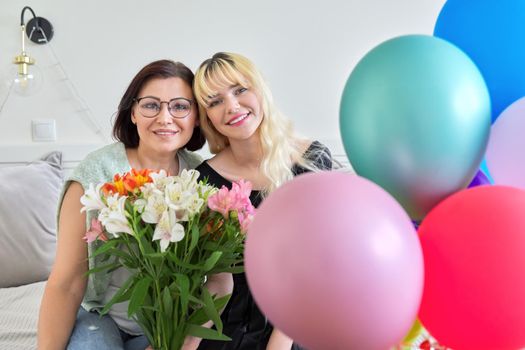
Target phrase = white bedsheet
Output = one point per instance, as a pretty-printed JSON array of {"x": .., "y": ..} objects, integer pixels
[{"x": 19, "y": 308}]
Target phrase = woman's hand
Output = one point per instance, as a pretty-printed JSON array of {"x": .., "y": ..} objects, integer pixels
[
  {"x": 279, "y": 341},
  {"x": 220, "y": 284},
  {"x": 190, "y": 343}
]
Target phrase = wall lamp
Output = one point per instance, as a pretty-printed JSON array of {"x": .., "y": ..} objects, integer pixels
[{"x": 40, "y": 31}]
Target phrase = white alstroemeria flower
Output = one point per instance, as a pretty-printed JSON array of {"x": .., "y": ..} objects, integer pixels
[
  {"x": 148, "y": 189},
  {"x": 195, "y": 205},
  {"x": 174, "y": 193},
  {"x": 117, "y": 223},
  {"x": 159, "y": 175},
  {"x": 190, "y": 207},
  {"x": 91, "y": 199},
  {"x": 161, "y": 180},
  {"x": 180, "y": 199},
  {"x": 168, "y": 230},
  {"x": 207, "y": 190},
  {"x": 154, "y": 208},
  {"x": 188, "y": 179},
  {"x": 140, "y": 204},
  {"x": 113, "y": 217}
]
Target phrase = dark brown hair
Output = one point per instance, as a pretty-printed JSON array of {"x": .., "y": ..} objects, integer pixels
[{"x": 124, "y": 130}]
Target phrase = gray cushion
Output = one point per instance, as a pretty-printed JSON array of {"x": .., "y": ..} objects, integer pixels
[{"x": 28, "y": 207}]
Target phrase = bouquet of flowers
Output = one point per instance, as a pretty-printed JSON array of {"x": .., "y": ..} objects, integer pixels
[{"x": 170, "y": 233}]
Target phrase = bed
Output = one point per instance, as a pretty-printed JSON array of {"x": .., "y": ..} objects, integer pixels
[{"x": 31, "y": 179}]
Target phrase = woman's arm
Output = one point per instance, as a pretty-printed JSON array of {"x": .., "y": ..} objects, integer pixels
[
  {"x": 67, "y": 282},
  {"x": 279, "y": 341}
]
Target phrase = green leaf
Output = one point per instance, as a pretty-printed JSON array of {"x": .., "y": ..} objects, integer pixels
[
  {"x": 103, "y": 268},
  {"x": 199, "y": 316},
  {"x": 195, "y": 300},
  {"x": 183, "y": 264},
  {"x": 148, "y": 249},
  {"x": 105, "y": 247},
  {"x": 211, "y": 309},
  {"x": 183, "y": 284},
  {"x": 232, "y": 269},
  {"x": 209, "y": 245},
  {"x": 121, "y": 295},
  {"x": 139, "y": 294},
  {"x": 221, "y": 302},
  {"x": 194, "y": 237},
  {"x": 211, "y": 261},
  {"x": 126, "y": 258},
  {"x": 155, "y": 255},
  {"x": 146, "y": 323},
  {"x": 167, "y": 302},
  {"x": 206, "y": 333}
]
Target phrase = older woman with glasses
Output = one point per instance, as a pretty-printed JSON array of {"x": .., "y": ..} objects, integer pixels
[{"x": 156, "y": 128}]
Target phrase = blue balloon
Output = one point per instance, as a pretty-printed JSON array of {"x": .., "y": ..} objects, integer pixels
[
  {"x": 492, "y": 33},
  {"x": 415, "y": 119}
]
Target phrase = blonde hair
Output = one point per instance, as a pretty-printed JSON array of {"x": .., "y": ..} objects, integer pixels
[{"x": 280, "y": 146}]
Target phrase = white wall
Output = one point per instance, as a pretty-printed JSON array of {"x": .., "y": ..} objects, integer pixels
[{"x": 305, "y": 49}]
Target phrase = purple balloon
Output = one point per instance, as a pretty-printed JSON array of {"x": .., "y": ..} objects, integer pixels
[
  {"x": 479, "y": 179},
  {"x": 504, "y": 154}
]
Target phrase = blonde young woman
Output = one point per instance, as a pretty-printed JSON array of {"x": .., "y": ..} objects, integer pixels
[{"x": 251, "y": 140}]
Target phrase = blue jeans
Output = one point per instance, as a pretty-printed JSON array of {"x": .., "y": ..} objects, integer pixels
[{"x": 102, "y": 333}]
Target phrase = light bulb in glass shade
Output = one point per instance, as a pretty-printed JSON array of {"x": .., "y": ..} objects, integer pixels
[{"x": 27, "y": 78}]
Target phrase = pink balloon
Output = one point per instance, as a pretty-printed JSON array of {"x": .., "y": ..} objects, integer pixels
[
  {"x": 335, "y": 263},
  {"x": 504, "y": 153}
]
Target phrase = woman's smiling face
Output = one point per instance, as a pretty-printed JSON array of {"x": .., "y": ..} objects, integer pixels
[
  {"x": 164, "y": 133},
  {"x": 235, "y": 111}
]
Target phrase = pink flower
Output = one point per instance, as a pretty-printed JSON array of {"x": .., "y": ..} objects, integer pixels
[
  {"x": 221, "y": 201},
  {"x": 242, "y": 188},
  {"x": 245, "y": 219},
  {"x": 95, "y": 231},
  {"x": 240, "y": 193},
  {"x": 237, "y": 199}
]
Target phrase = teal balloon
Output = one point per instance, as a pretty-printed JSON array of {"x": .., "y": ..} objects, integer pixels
[{"x": 415, "y": 118}]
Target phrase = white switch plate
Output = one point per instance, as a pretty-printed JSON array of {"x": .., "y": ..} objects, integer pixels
[{"x": 44, "y": 130}]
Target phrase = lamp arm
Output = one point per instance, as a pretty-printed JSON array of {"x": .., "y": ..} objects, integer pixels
[
  {"x": 22, "y": 22},
  {"x": 23, "y": 25}
]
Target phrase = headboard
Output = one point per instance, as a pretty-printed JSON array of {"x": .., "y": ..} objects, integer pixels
[{"x": 72, "y": 154}]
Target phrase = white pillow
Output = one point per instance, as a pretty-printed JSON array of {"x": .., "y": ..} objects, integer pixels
[{"x": 28, "y": 208}]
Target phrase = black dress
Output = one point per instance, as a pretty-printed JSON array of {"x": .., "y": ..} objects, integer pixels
[{"x": 242, "y": 319}]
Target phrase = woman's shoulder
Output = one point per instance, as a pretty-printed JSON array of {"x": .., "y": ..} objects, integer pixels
[
  {"x": 101, "y": 164},
  {"x": 208, "y": 173},
  {"x": 112, "y": 150},
  {"x": 315, "y": 146},
  {"x": 203, "y": 167},
  {"x": 319, "y": 155},
  {"x": 206, "y": 170},
  {"x": 193, "y": 159}
]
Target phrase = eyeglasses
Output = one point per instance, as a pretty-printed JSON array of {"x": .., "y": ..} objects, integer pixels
[{"x": 150, "y": 107}]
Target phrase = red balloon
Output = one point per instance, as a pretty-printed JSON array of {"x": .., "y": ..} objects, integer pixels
[{"x": 474, "y": 252}]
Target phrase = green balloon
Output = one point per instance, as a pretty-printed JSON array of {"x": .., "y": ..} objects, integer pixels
[{"x": 415, "y": 119}]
